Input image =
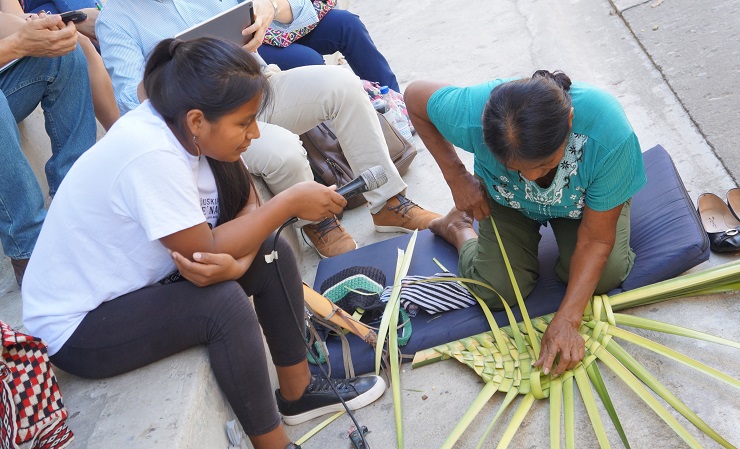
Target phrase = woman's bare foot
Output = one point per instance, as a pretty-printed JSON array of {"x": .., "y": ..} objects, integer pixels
[{"x": 456, "y": 228}]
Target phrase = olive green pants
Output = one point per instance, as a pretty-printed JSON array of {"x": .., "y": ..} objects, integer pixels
[{"x": 481, "y": 258}]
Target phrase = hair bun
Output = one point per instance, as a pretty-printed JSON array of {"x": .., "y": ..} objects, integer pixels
[
  {"x": 174, "y": 44},
  {"x": 560, "y": 78}
]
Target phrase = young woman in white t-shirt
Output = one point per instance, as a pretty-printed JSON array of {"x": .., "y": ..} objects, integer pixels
[{"x": 166, "y": 189}]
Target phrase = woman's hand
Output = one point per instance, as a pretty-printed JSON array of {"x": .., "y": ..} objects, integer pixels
[
  {"x": 315, "y": 202},
  {"x": 209, "y": 269},
  {"x": 264, "y": 14},
  {"x": 469, "y": 195},
  {"x": 87, "y": 27},
  {"x": 562, "y": 340},
  {"x": 595, "y": 241}
]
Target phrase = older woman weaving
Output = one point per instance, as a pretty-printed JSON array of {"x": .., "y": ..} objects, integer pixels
[{"x": 546, "y": 151}]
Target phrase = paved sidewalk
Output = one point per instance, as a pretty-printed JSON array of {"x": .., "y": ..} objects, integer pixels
[
  {"x": 611, "y": 45},
  {"x": 467, "y": 43},
  {"x": 696, "y": 47}
]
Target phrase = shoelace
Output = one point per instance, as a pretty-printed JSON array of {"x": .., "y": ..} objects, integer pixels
[
  {"x": 326, "y": 226},
  {"x": 404, "y": 206},
  {"x": 319, "y": 384}
]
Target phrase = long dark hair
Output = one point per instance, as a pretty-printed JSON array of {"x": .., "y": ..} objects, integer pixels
[
  {"x": 527, "y": 119},
  {"x": 216, "y": 77}
]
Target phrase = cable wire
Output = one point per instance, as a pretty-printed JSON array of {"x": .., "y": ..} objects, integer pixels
[{"x": 303, "y": 336}]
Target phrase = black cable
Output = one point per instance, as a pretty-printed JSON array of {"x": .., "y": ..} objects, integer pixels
[{"x": 303, "y": 335}]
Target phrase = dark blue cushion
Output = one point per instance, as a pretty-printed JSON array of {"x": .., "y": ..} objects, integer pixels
[{"x": 667, "y": 238}]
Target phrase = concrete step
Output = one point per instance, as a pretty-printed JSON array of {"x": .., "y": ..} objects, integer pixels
[{"x": 174, "y": 403}]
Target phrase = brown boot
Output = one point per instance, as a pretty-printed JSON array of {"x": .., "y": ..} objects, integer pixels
[
  {"x": 400, "y": 214},
  {"x": 19, "y": 268},
  {"x": 329, "y": 238}
]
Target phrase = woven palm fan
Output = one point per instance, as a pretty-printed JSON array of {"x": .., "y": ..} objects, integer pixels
[{"x": 503, "y": 358}]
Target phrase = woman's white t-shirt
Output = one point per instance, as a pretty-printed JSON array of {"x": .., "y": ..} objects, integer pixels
[{"x": 100, "y": 239}]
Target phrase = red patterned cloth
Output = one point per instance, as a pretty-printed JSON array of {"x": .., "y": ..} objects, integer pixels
[
  {"x": 278, "y": 38},
  {"x": 31, "y": 408}
]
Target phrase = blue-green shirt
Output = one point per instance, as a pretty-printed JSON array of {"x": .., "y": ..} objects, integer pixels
[{"x": 602, "y": 166}]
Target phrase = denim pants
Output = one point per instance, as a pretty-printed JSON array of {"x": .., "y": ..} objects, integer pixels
[
  {"x": 56, "y": 6},
  {"x": 62, "y": 86},
  {"x": 342, "y": 31}
]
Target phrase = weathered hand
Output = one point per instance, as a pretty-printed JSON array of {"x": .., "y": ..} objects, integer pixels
[
  {"x": 470, "y": 196},
  {"x": 561, "y": 339},
  {"x": 209, "y": 269},
  {"x": 264, "y": 14},
  {"x": 47, "y": 36}
]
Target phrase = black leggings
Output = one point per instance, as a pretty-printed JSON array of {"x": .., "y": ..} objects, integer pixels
[{"x": 157, "y": 321}]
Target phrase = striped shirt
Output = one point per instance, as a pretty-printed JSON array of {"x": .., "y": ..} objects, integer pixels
[
  {"x": 602, "y": 166},
  {"x": 128, "y": 30}
]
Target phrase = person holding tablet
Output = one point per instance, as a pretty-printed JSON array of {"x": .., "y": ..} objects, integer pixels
[
  {"x": 547, "y": 151},
  {"x": 339, "y": 30},
  {"x": 166, "y": 188},
  {"x": 304, "y": 97}
]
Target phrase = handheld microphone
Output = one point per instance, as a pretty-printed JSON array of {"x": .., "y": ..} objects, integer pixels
[{"x": 370, "y": 179}]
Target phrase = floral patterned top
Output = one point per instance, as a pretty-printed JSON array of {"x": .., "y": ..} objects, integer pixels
[{"x": 602, "y": 166}]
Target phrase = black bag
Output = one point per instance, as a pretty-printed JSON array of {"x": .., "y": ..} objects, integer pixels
[{"x": 329, "y": 165}]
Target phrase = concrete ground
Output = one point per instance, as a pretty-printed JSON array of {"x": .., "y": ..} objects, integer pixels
[{"x": 647, "y": 55}]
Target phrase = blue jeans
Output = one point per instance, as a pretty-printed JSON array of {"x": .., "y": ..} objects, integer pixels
[
  {"x": 57, "y": 6},
  {"x": 339, "y": 30},
  {"x": 63, "y": 88}
]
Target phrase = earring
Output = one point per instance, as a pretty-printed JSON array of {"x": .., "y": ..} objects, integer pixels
[{"x": 197, "y": 147}]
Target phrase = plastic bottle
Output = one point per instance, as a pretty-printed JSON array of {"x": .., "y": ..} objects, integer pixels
[
  {"x": 380, "y": 105},
  {"x": 394, "y": 115}
]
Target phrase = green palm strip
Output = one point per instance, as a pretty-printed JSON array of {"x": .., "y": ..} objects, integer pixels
[
  {"x": 403, "y": 261},
  {"x": 648, "y": 379},
  {"x": 672, "y": 354},
  {"x": 717, "y": 279},
  {"x": 396, "y": 377},
  {"x": 388, "y": 322},
  {"x": 653, "y": 325},
  {"x": 595, "y": 375},
  {"x": 510, "y": 395},
  {"x": 556, "y": 403},
  {"x": 486, "y": 310},
  {"x": 385, "y": 322},
  {"x": 642, "y": 392},
  {"x": 486, "y": 393},
  {"x": 569, "y": 410},
  {"x": 584, "y": 386},
  {"x": 520, "y": 301},
  {"x": 516, "y": 421},
  {"x": 319, "y": 427}
]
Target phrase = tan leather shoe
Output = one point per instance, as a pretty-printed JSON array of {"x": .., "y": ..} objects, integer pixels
[
  {"x": 400, "y": 214},
  {"x": 329, "y": 238},
  {"x": 19, "y": 268}
]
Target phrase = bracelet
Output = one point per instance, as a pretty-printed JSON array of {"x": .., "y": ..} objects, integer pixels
[{"x": 275, "y": 7}]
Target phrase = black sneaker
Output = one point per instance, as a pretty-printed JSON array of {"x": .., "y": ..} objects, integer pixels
[{"x": 319, "y": 398}]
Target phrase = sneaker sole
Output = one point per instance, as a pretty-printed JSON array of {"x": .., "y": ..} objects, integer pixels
[
  {"x": 393, "y": 229},
  {"x": 360, "y": 401}
]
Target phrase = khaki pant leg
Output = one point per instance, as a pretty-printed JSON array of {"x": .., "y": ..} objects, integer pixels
[
  {"x": 481, "y": 258},
  {"x": 620, "y": 261}
]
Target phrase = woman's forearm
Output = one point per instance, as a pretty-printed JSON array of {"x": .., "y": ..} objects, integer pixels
[{"x": 586, "y": 268}]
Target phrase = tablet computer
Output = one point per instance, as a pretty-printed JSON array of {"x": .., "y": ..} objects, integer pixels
[{"x": 227, "y": 25}]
